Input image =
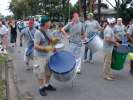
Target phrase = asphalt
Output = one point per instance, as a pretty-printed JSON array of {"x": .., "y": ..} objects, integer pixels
[{"x": 87, "y": 86}]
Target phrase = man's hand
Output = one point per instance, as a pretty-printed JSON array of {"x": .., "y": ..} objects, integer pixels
[
  {"x": 117, "y": 44},
  {"x": 49, "y": 48},
  {"x": 55, "y": 41},
  {"x": 67, "y": 36}
]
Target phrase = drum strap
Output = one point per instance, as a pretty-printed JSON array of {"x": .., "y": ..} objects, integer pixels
[
  {"x": 46, "y": 36},
  {"x": 76, "y": 42}
]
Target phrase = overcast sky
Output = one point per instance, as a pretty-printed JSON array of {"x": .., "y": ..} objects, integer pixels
[{"x": 5, "y": 3}]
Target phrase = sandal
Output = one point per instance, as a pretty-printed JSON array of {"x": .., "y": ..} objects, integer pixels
[{"x": 113, "y": 76}]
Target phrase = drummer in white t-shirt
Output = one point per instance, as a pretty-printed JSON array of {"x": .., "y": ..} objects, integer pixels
[
  {"x": 110, "y": 41},
  {"x": 75, "y": 35},
  {"x": 90, "y": 26}
]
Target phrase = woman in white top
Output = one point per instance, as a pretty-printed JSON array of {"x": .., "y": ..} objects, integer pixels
[{"x": 3, "y": 35}]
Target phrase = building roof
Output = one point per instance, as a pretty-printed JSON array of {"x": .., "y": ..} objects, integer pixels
[{"x": 106, "y": 11}]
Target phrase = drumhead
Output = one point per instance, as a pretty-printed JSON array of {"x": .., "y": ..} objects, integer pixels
[
  {"x": 59, "y": 45},
  {"x": 62, "y": 62}
]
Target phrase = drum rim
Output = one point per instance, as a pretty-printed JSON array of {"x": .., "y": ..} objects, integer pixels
[
  {"x": 89, "y": 40},
  {"x": 63, "y": 73},
  {"x": 58, "y": 44}
]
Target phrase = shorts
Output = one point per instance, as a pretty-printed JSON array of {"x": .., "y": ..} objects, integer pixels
[
  {"x": 40, "y": 68},
  {"x": 75, "y": 50},
  {"x": 27, "y": 58}
]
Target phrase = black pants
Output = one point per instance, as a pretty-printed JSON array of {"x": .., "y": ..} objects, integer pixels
[
  {"x": 131, "y": 65},
  {"x": 86, "y": 53}
]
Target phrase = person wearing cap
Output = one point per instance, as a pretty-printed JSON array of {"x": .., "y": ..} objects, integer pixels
[
  {"x": 42, "y": 50},
  {"x": 58, "y": 33},
  {"x": 109, "y": 41},
  {"x": 75, "y": 29},
  {"x": 130, "y": 38},
  {"x": 28, "y": 34},
  {"x": 20, "y": 25},
  {"x": 120, "y": 29},
  {"x": 90, "y": 26}
]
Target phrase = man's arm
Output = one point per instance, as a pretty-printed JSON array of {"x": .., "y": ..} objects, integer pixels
[
  {"x": 44, "y": 49},
  {"x": 129, "y": 33},
  {"x": 98, "y": 26},
  {"x": 109, "y": 39},
  {"x": 64, "y": 30},
  {"x": 130, "y": 38}
]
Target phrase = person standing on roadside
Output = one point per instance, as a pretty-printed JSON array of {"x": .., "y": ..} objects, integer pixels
[
  {"x": 3, "y": 35},
  {"x": 13, "y": 32}
]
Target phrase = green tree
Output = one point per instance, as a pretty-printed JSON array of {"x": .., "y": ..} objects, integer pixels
[{"x": 56, "y": 9}]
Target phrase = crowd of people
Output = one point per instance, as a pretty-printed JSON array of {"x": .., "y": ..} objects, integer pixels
[{"x": 40, "y": 38}]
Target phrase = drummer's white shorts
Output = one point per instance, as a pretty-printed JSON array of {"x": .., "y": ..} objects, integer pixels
[
  {"x": 40, "y": 68},
  {"x": 75, "y": 49}
]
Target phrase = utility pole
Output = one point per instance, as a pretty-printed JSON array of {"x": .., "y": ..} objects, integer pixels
[
  {"x": 99, "y": 10},
  {"x": 69, "y": 12},
  {"x": 118, "y": 9}
]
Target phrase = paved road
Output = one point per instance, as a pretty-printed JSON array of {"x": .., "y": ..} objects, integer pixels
[{"x": 87, "y": 86}]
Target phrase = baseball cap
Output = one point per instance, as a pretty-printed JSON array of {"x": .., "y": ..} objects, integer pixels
[
  {"x": 119, "y": 19},
  {"x": 111, "y": 20},
  {"x": 44, "y": 19},
  {"x": 90, "y": 14}
]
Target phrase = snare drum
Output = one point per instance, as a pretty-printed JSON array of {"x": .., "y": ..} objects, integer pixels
[
  {"x": 95, "y": 42},
  {"x": 59, "y": 46},
  {"x": 62, "y": 64}
]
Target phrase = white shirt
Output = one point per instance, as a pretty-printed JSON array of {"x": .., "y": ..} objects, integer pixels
[{"x": 3, "y": 30}]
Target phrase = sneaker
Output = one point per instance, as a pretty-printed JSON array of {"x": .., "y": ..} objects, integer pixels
[
  {"x": 114, "y": 77},
  {"x": 50, "y": 88},
  {"x": 109, "y": 78},
  {"x": 78, "y": 71},
  {"x": 27, "y": 67},
  {"x": 85, "y": 61},
  {"x": 91, "y": 62},
  {"x": 42, "y": 92}
]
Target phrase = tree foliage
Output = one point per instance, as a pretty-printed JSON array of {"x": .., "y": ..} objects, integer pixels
[
  {"x": 56, "y": 9},
  {"x": 122, "y": 9}
]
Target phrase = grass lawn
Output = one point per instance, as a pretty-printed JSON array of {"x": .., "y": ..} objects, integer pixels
[{"x": 2, "y": 77}]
